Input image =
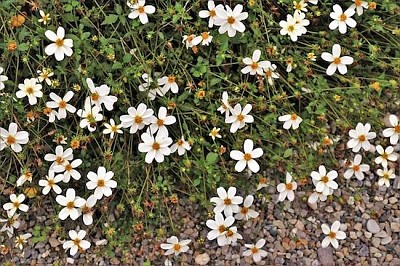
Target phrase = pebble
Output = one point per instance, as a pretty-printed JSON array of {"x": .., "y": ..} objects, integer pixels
[
  {"x": 376, "y": 242},
  {"x": 202, "y": 259},
  {"x": 325, "y": 256},
  {"x": 363, "y": 251},
  {"x": 373, "y": 226},
  {"x": 395, "y": 227},
  {"x": 386, "y": 240},
  {"x": 54, "y": 242}
]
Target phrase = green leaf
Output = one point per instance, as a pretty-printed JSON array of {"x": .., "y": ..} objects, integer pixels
[
  {"x": 212, "y": 158},
  {"x": 23, "y": 47},
  {"x": 287, "y": 153},
  {"x": 196, "y": 182},
  {"x": 110, "y": 19}
]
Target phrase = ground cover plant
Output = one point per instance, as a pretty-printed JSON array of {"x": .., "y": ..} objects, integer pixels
[{"x": 183, "y": 132}]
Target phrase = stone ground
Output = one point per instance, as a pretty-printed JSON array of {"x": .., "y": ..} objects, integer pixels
[{"x": 292, "y": 231}]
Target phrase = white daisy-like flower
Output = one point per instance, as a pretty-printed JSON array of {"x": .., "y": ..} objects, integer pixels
[
  {"x": 356, "y": 168},
  {"x": 160, "y": 123},
  {"x": 239, "y": 118},
  {"x": 210, "y": 13},
  {"x": 26, "y": 176},
  {"x": 215, "y": 133},
  {"x": 392, "y": 132},
  {"x": 227, "y": 201},
  {"x": 385, "y": 155},
  {"x": 112, "y": 128},
  {"x": 247, "y": 158},
  {"x": 342, "y": 19},
  {"x": 87, "y": 210},
  {"x": 71, "y": 203},
  {"x": 155, "y": 147},
  {"x": 31, "y": 90},
  {"x": 174, "y": 246},
  {"x": 191, "y": 40},
  {"x": 286, "y": 189},
  {"x": 206, "y": 38},
  {"x": 301, "y": 21},
  {"x": 315, "y": 196},
  {"x": 230, "y": 20},
  {"x": 291, "y": 27},
  {"x": 101, "y": 182},
  {"x": 140, "y": 10},
  {"x": 44, "y": 75},
  {"x": 11, "y": 223},
  {"x": 219, "y": 227},
  {"x": 13, "y": 138},
  {"x": 44, "y": 18},
  {"x": 232, "y": 235},
  {"x": 21, "y": 240},
  {"x": 151, "y": 93},
  {"x": 245, "y": 212},
  {"x": 51, "y": 114},
  {"x": 270, "y": 73},
  {"x": 385, "y": 175},
  {"x": 2, "y": 79},
  {"x": 333, "y": 235},
  {"x": 61, "y": 46},
  {"x": 90, "y": 115},
  {"x": 262, "y": 183},
  {"x": 360, "y": 137},
  {"x": 68, "y": 170},
  {"x": 359, "y": 6},
  {"x": 291, "y": 121},
  {"x": 324, "y": 181},
  {"x": 136, "y": 119},
  {"x": 61, "y": 157},
  {"x": 300, "y": 6},
  {"x": 253, "y": 65},
  {"x": 181, "y": 145},
  {"x": 62, "y": 104},
  {"x": 15, "y": 204},
  {"x": 76, "y": 243},
  {"x": 100, "y": 95},
  {"x": 225, "y": 106},
  {"x": 256, "y": 251},
  {"x": 338, "y": 63},
  {"x": 50, "y": 183},
  {"x": 168, "y": 83}
]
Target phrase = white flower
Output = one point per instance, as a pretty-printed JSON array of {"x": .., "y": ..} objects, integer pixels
[
  {"x": 15, "y": 204},
  {"x": 324, "y": 181},
  {"x": 286, "y": 189},
  {"x": 300, "y": 6},
  {"x": 230, "y": 20},
  {"x": 10, "y": 223},
  {"x": 140, "y": 10},
  {"x": 168, "y": 83},
  {"x": 359, "y": 5},
  {"x": 181, "y": 145},
  {"x": 262, "y": 183},
  {"x": 206, "y": 38},
  {"x": 219, "y": 228},
  {"x": 215, "y": 133},
  {"x": 253, "y": 66},
  {"x": 51, "y": 183},
  {"x": 256, "y": 250},
  {"x": 360, "y": 137},
  {"x": 270, "y": 73},
  {"x": 21, "y": 240},
  {"x": 44, "y": 75},
  {"x": 87, "y": 210},
  {"x": 191, "y": 40},
  {"x": 151, "y": 93},
  {"x": 26, "y": 176},
  {"x": 314, "y": 2},
  {"x": 291, "y": 121},
  {"x": 31, "y": 90},
  {"x": 50, "y": 113},
  {"x": 61, "y": 157},
  {"x": 112, "y": 128},
  {"x": 159, "y": 124},
  {"x": 71, "y": 204},
  {"x": 301, "y": 21},
  {"x": 333, "y": 234},
  {"x": 136, "y": 119},
  {"x": 156, "y": 148},
  {"x": 225, "y": 106},
  {"x": 239, "y": 118},
  {"x": 337, "y": 61},
  {"x": 392, "y": 132},
  {"x": 356, "y": 168},
  {"x": 315, "y": 196},
  {"x": 232, "y": 235},
  {"x": 174, "y": 246},
  {"x": 68, "y": 170},
  {"x": 90, "y": 115},
  {"x": 291, "y": 27},
  {"x": 76, "y": 243},
  {"x": 45, "y": 18},
  {"x": 60, "y": 46},
  {"x": 13, "y": 138},
  {"x": 102, "y": 182},
  {"x": 385, "y": 155},
  {"x": 62, "y": 104},
  {"x": 99, "y": 95},
  {"x": 245, "y": 212},
  {"x": 210, "y": 13},
  {"x": 385, "y": 175},
  {"x": 2, "y": 79},
  {"x": 227, "y": 202},
  {"x": 247, "y": 158},
  {"x": 342, "y": 19}
]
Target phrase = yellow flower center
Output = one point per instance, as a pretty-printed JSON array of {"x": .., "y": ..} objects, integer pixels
[
  {"x": 156, "y": 146},
  {"x": 205, "y": 35},
  {"x": 244, "y": 210},
  {"x": 70, "y": 205},
  {"x": 160, "y": 122},
  {"x": 385, "y": 156},
  {"x": 77, "y": 241},
  {"x": 397, "y": 129},
  {"x": 386, "y": 176},
  {"x": 254, "y": 65},
  {"x": 177, "y": 247},
  {"x": 290, "y": 28},
  {"x": 62, "y": 104},
  {"x": 356, "y": 168},
  {"x": 325, "y": 179},
  {"x": 247, "y": 156},
  {"x": 362, "y": 138},
  {"x": 180, "y": 142},
  {"x": 221, "y": 228},
  {"x": 95, "y": 96},
  {"x": 240, "y": 118},
  {"x": 227, "y": 201},
  {"x": 59, "y": 160},
  {"x": 140, "y": 9},
  {"x": 16, "y": 204},
  {"x": 289, "y": 186},
  {"x": 336, "y": 60},
  {"x": 11, "y": 140},
  {"x": 332, "y": 235},
  {"x": 29, "y": 90},
  {"x": 51, "y": 182},
  {"x": 343, "y": 17},
  {"x": 231, "y": 20},
  {"x": 68, "y": 167},
  {"x": 229, "y": 233},
  {"x": 212, "y": 13},
  {"x": 114, "y": 128},
  {"x": 138, "y": 119},
  {"x": 293, "y": 117},
  {"x": 100, "y": 183},
  {"x": 268, "y": 73},
  {"x": 358, "y": 2},
  {"x": 171, "y": 79},
  {"x": 254, "y": 250},
  {"x": 59, "y": 42}
]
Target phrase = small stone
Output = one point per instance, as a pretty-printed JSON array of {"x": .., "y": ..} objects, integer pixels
[
  {"x": 279, "y": 224},
  {"x": 395, "y": 262},
  {"x": 368, "y": 235},
  {"x": 381, "y": 234},
  {"x": 376, "y": 242},
  {"x": 202, "y": 259},
  {"x": 395, "y": 227},
  {"x": 386, "y": 240},
  {"x": 299, "y": 225},
  {"x": 373, "y": 226},
  {"x": 393, "y": 200},
  {"x": 358, "y": 226},
  {"x": 325, "y": 256},
  {"x": 363, "y": 251},
  {"x": 389, "y": 257},
  {"x": 54, "y": 242}
]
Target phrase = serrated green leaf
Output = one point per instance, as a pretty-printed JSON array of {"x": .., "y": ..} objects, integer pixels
[{"x": 110, "y": 19}]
